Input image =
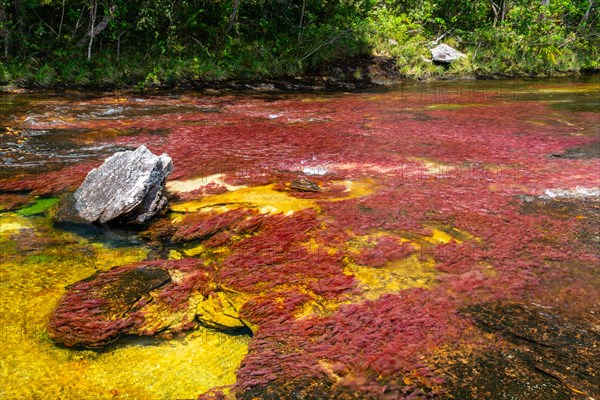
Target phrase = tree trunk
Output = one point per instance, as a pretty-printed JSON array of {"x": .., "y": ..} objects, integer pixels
[
  {"x": 587, "y": 13},
  {"x": 98, "y": 28},
  {"x": 301, "y": 24},
  {"x": 228, "y": 27},
  {"x": 62, "y": 18},
  {"x": 495, "y": 10},
  {"x": 93, "y": 10},
  {"x": 504, "y": 10},
  {"x": 232, "y": 17},
  {"x": 4, "y": 32}
]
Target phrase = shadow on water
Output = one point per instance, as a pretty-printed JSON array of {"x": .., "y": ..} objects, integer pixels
[
  {"x": 113, "y": 236},
  {"x": 33, "y": 150},
  {"x": 125, "y": 341}
]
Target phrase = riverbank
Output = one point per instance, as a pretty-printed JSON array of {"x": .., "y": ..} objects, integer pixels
[
  {"x": 352, "y": 74},
  {"x": 336, "y": 45}
]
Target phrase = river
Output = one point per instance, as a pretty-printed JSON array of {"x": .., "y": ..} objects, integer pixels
[{"x": 443, "y": 215}]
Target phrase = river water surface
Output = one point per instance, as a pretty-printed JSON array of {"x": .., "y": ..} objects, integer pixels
[{"x": 432, "y": 205}]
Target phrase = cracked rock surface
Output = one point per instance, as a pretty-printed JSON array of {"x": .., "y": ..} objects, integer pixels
[{"x": 129, "y": 186}]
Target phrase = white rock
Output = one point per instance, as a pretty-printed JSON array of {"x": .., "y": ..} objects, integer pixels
[
  {"x": 128, "y": 186},
  {"x": 445, "y": 54},
  {"x": 578, "y": 192}
]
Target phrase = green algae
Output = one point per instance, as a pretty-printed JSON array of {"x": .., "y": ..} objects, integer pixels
[{"x": 40, "y": 206}]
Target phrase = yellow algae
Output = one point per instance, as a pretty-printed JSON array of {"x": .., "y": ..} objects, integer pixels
[
  {"x": 184, "y": 368},
  {"x": 432, "y": 167},
  {"x": 328, "y": 368},
  {"x": 267, "y": 199},
  {"x": 317, "y": 308},
  {"x": 445, "y": 234},
  {"x": 438, "y": 236},
  {"x": 410, "y": 272},
  {"x": 313, "y": 246},
  {"x": 416, "y": 270},
  {"x": 488, "y": 270},
  {"x": 315, "y": 99},
  {"x": 357, "y": 243},
  {"x": 359, "y": 188},
  {"x": 258, "y": 197},
  {"x": 194, "y": 251},
  {"x": 35, "y": 266},
  {"x": 11, "y": 227},
  {"x": 537, "y": 122},
  {"x": 567, "y": 89},
  {"x": 453, "y": 106},
  {"x": 377, "y": 168},
  {"x": 189, "y": 185},
  {"x": 11, "y": 222},
  {"x": 175, "y": 255},
  {"x": 108, "y": 257},
  {"x": 221, "y": 310}
]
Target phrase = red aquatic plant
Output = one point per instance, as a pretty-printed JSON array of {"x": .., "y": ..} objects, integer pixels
[
  {"x": 431, "y": 166},
  {"x": 385, "y": 249},
  {"x": 385, "y": 338},
  {"x": 100, "y": 309},
  {"x": 48, "y": 183},
  {"x": 278, "y": 255},
  {"x": 203, "y": 225}
]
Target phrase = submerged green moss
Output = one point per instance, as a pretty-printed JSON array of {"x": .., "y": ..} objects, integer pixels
[{"x": 39, "y": 206}]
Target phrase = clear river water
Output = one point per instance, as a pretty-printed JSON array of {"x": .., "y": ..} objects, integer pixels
[{"x": 431, "y": 240}]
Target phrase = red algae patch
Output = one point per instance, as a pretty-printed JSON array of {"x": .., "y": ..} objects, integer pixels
[
  {"x": 364, "y": 347},
  {"x": 98, "y": 310}
]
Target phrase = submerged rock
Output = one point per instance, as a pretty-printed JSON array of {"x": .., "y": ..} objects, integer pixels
[
  {"x": 445, "y": 54},
  {"x": 150, "y": 298},
  {"x": 537, "y": 353},
  {"x": 128, "y": 186},
  {"x": 304, "y": 185},
  {"x": 587, "y": 151},
  {"x": 97, "y": 310}
]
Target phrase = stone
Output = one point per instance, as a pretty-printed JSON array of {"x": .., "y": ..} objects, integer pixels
[
  {"x": 128, "y": 186},
  {"x": 445, "y": 54},
  {"x": 544, "y": 354},
  {"x": 97, "y": 310},
  {"x": 149, "y": 298}
]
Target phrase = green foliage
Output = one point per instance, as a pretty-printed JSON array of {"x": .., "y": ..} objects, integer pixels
[
  {"x": 162, "y": 42},
  {"x": 45, "y": 76},
  {"x": 533, "y": 40},
  {"x": 4, "y": 74}
]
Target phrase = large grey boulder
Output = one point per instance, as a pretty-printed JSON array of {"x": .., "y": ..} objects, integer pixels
[
  {"x": 129, "y": 186},
  {"x": 445, "y": 54}
]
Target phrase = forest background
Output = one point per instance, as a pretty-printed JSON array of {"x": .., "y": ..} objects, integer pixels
[{"x": 150, "y": 43}]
